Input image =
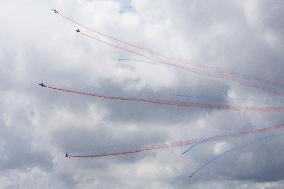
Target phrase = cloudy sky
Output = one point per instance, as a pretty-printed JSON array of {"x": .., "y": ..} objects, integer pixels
[{"x": 38, "y": 125}]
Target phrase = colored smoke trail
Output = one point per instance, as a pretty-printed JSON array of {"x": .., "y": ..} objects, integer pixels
[
  {"x": 226, "y": 74},
  {"x": 185, "y": 143},
  {"x": 271, "y": 91},
  {"x": 158, "y": 55},
  {"x": 109, "y": 37},
  {"x": 205, "y": 140},
  {"x": 207, "y": 163},
  {"x": 208, "y": 98},
  {"x": 179, "y": 103},
  {"x": 199, "y": 98},
  {"x": 188, "y": 69},
  {"x": 240, "y": 81},
  {"x": 192, "y": 146},
  {"x": 136, "y": 60}
]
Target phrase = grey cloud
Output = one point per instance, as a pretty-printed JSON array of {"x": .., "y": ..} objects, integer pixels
[{"x": 38, "y": 125}]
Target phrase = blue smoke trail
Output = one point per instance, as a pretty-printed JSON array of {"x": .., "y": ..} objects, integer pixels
[
  {"x": 206, "y": 139},
  {"x": 229, "y": 151},
  {"x": 199, "y": 98},
  {"x": 192, "y": 146},
  {"x": 186, "y": 95}
]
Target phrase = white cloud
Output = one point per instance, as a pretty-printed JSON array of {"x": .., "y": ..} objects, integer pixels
[{"x": 39, "y": 125}]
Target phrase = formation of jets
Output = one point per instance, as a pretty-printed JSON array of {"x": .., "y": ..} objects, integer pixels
[
  {"x": 66, "y": 154},
  {"x": 56, "y": 12},
  {"x": 43, "y": 85}
]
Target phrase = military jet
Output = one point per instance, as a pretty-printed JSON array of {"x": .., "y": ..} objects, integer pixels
[
  {"x": 55, "y": 11},
  {"x": 67, "y": 155},
  {"x": 78, "y": 30},
  {"x": 42, "y": 85}
]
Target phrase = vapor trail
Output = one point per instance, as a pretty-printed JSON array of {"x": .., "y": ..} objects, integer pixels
[
  {"x": 184, "y": 104},
  {"x": 188, "y": 69},
  {"x": 207, "y": 163},
  {"x": 225, "y": 73},
  {"x": 208, "y": 98},
  {"x": 109, "y": 37},
  {"x": 192, "y": 146},
  {"x": 186, "y": 142},
  {"x": 240, "y": 81},
  {"x": 204, "y": 141}
]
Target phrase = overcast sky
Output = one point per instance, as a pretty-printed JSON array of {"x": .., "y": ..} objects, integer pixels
[{"x": 38, "y": 125}]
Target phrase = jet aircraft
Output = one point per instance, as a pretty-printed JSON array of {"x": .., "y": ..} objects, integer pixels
[
  {"x": 42, "y": 85},
  {"x": 55, "y": 11},
  {"x": 67, "y": 155}
]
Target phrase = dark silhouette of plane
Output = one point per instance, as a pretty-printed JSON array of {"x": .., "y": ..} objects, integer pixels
[
  {"x": 42, "y": 85},
  {"x": 55, "y": 11},
  {"x": 67, "y": 155},
  {"x": 78, "y": 30}
]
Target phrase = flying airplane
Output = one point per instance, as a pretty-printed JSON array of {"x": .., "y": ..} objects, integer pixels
[
  {"x": 55, "y": 11},
  {"x": 42, "y": 85},
  {"x": 67, "y": 155},
  {"x": 78, "y": 30}
]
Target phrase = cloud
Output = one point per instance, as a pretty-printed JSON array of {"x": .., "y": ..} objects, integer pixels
[{"x": 39, "y": 125}]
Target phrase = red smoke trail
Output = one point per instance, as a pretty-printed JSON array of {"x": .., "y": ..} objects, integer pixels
[
  {"x": 246, "y": 77},
  {"x": 155, "y": 54},
  {"x": 179, "y": 103},
  {"x": 186, "y": 143},
  {"x": 247, "y": 84},
  {"x": 108, "y": 36},
  {"x": 199, "y": 72}
]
